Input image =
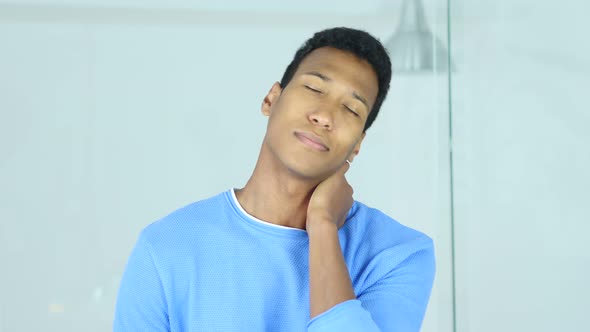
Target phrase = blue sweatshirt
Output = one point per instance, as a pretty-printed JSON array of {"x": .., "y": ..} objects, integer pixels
[{"x": 211, "y": 266}]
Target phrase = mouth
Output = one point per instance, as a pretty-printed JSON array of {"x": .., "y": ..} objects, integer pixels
[{"x": 312, "y": 141}]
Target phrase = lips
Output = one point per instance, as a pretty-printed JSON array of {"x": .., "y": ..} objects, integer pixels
[{"x": 311, "y": 140}]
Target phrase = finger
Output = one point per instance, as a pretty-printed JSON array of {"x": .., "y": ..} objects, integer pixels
[{"x": 345, "y": 167}]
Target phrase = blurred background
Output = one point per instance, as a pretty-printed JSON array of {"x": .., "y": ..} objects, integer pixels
[{"x": 115, "y": 113}]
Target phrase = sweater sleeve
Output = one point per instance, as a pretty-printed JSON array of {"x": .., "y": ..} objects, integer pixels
[
  {"x": 395, "y": 303},
  {"x": 141, "y": 303}
]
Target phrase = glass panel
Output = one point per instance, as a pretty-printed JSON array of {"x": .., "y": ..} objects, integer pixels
[{"x": 520, "y": 133}]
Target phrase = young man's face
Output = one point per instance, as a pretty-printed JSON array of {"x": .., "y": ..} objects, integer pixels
[{"x": 316, "y": 122}]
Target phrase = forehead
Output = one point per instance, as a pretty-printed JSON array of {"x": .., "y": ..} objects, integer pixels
[{"x": 343, "y": 67}]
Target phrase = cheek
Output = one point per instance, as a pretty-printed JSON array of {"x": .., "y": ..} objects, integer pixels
[
  {"x": 346, "y": 146},
  {"x": 284, "y": 105}
]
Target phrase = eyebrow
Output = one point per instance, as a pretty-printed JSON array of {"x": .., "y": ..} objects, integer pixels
[
  {"x": 361, "y": 99},
  {"x": 318, "y": 74},
  {"x": 355, "y": 95}
]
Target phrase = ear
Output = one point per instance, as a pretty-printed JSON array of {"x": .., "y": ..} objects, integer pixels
[
  {"x": 357, "y": 148},
  {"x": 271, "y": 97}
]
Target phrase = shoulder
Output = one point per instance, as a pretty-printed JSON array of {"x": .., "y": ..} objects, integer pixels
[
  {"x": 185, "y": 222},
  {"x": 377, "y": 231},
  {"x": 377, "y": 246}
]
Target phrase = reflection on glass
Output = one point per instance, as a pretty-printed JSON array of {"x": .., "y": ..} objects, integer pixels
[{"x": 413, "y": 47}]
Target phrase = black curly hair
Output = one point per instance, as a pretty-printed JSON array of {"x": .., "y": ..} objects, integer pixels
[{"x": 358, "y": 42}]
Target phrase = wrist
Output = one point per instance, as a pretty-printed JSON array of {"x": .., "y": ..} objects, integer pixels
[{"x": 320, "y": 225}]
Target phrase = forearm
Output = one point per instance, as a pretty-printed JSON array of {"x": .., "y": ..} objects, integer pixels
[{"x": 329, "y": 282}]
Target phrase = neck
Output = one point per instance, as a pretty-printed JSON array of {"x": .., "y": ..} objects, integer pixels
[{"x": 275, "y": 195}]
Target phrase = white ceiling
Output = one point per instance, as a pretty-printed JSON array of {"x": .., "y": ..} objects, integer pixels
[{"x": 325, "y": 6}]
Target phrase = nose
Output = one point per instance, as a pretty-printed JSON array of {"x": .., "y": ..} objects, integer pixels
[{"x": 322, "y": 119}]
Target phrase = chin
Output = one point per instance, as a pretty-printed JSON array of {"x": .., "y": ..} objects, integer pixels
[{"x": 309, "y": 171}]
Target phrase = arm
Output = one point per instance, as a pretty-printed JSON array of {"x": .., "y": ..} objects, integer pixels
[
  {"x": 329, "y": 282},
  {"x": 141, "y": 302},
  {"x": 402, "y": 275},
  {"x": 395, "y": 302}
]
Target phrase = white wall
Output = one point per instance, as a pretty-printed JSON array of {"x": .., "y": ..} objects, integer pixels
[{"x": 114, "y": 116}]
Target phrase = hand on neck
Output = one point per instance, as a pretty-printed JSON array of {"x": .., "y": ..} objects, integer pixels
[{"x": 276, "y": 196}]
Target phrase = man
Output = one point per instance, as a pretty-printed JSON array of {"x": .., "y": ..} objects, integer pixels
[{"x": 292, "y": 250}]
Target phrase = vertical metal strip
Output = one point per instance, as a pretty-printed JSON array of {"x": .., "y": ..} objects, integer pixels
[{"x": 451, "y": 141}]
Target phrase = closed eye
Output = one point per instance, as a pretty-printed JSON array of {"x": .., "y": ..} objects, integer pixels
[
  {"x": 351, "y": 110},
  {"x": 313, "y": 89}
]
